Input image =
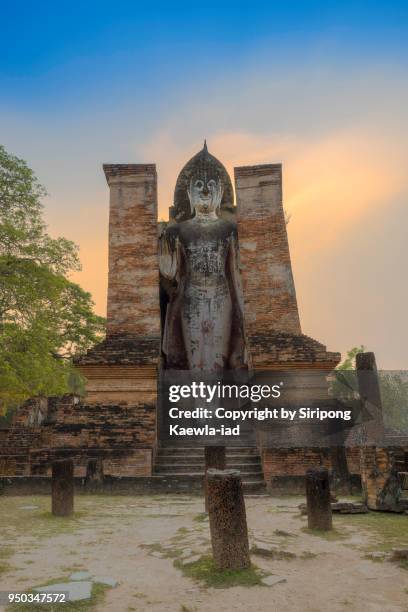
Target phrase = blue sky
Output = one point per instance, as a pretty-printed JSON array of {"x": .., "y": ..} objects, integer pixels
[
  {"x": 87, "y": 53},
  {"x": 320, "y": 86}
]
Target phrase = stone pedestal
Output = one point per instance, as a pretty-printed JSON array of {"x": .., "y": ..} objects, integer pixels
[
  {"x": 319, "y": 512},
  {"x": 214, "y": 457},
  {"x": 228, "y": 526},
  {"x": 63, "y": 488}
]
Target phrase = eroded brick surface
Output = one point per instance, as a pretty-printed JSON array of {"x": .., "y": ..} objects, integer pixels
[
  {"x": 122, "y": 435},
  {"x": 133, "y": 282},
  {"x": 269, "y": 290}
]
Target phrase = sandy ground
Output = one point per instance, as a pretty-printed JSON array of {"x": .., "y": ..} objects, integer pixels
[{"x": 122, "y": 537}]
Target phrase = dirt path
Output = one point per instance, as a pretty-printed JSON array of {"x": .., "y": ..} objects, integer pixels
[{"x": 135, "y": 540}]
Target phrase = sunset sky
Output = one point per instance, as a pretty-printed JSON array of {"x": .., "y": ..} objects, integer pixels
[{"x": 320, "y": 86}]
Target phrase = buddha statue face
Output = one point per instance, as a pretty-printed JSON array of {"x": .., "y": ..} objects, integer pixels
[{"x": 205, "y": 194}]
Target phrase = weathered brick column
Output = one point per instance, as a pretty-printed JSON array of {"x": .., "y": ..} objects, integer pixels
[
  {"x": 319, "y": 514},
  {"x": 133, "y": 284},
  {"x": 121, "y": 371},
  {"x": 228, "y": 526},
  {"x": 274, "y": 338},
  {"x": 269, "y": 291},
  {"x": 94, "y": 473},
  {"x": 62, "y": 484},
  {"x": 369, "y": 390},
  {"x": 379, "y": 477},
  {"x": 214, "y": 458}
]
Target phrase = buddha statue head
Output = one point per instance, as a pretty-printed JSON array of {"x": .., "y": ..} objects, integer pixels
[
  {"x": 205, "y": 191},
  {"x": 203, "y": 186}
]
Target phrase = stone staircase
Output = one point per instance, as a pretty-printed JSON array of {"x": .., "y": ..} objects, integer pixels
[{"x": 187, "y": 463}]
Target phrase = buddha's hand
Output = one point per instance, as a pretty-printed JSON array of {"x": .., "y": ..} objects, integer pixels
[{"x": 168, "y": 255}]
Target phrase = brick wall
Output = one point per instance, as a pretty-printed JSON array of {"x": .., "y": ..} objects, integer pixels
[
  {"x": 133, "y": 281},
  {"x": 295, "y": 461},
  {"x": 123, "y": 435},
  {"x": 269, "y": 290}
]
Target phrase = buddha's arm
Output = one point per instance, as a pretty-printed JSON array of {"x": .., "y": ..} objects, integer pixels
[
  {"x": 238, "y": 357},
  {"x": 168, "y": 255},
  {"x": 234, "y": 274}
]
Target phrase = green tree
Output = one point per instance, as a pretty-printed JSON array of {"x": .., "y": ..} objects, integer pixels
[
  {"x": 45, "y": 318},
  {"x": 393, "y": 388},
  {"x": 344, "y": 381},
  {"x": 394, "y": 396}
]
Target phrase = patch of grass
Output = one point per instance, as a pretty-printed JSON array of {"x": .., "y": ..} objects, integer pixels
[
  {"x": 86, "y": 605},
  {"x": 330, "y": 535},
  {"x": 306, "y": 554},
  {"x": 387, "y": 530},
  {"x": 70, "y": 569},
  {"x": 4, "y": 568},
  {"x": 172, "y": 553},
  {"x": 352, "y": 497},
  {"x": 39, "y": 523},
  {"x": 5, "y": 553},
  {"x": 162, "y": 515},
  {"x": 273, "y": 510},
  {"x": 204, "y": 570},
  {"x": 182, "y": 531},
  {"x": 403, "y": 564},
  {"x": 168, "y": 553},
  {"x": 272, "y": 553},
  {"x": 371, "y": 557},
  {"x": 201, "y": 518},
  {"x": 284, "y": 534},
  {"x": 156, "y": 547},
  {"x": 49, "y": 516}
]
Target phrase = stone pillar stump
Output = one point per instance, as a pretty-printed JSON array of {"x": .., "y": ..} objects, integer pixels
[
  {"x": 94, "y": 473},
  {"x": 214, "y": 457},
  {"x": 370, "y": 395},
  {"x": 63, "y": 488},
  {"x": 319, "y": 512},
  {"x": 228, "y": 526}
]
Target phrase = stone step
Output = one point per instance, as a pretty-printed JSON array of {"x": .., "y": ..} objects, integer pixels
[
  {"x": 185, "y": 464},
  {"x": 194, "y": 482},
  {"x": 243, "y": 443},
  {"x": 199, "y": 451},
  {"x": 186, "y": 468},
  {"x": 200, "y": 460},
  {"x": 254, "y": 487},
  {"x": 249, "y": 477},
  {"x": 231, "y": 459}
]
